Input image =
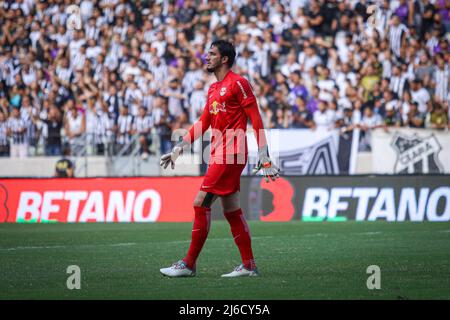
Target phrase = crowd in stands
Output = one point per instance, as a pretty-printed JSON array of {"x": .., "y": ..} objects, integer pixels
[{"x": 136, "y": 68}]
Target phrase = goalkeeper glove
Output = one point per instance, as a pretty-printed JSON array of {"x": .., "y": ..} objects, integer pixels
[
  {"x": 171, "y": 157},
  {"x": 266, "y": 165}
]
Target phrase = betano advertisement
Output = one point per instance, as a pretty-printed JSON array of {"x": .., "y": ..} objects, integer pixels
[
  {"x": 170, "y": 199},
  {"x": 98, "y": 199},
  {"x": 341, "y": 198}
]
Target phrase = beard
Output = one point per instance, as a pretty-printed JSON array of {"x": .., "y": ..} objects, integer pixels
[{"x": 212, "y": 68}]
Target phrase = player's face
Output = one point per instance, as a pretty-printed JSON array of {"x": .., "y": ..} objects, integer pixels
[{"x": 213, "y": 59}]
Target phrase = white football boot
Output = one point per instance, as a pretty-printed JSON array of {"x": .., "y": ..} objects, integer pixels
[
  {"x": 178, "y": 269},
  {"x": 240, "y": 271}
]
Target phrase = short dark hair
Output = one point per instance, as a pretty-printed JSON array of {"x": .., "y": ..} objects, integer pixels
[{"x": 226, "y": 49}]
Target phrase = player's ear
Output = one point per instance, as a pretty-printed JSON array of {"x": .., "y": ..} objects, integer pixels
[{"x": 224, "y": 59}]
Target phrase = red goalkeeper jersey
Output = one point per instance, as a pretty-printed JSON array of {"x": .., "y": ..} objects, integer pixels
[{"x": 229, "y": 104}]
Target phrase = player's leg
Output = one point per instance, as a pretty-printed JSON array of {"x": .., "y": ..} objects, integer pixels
[
  {"x": 200, "y": 230},
  {"x": 241, "y": 234}
]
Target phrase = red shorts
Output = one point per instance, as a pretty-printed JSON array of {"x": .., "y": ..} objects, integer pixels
[{"x": 223, "y": 179}]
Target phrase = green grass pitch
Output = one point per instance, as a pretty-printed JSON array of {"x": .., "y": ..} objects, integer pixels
[{"x": 297, "y": 260}]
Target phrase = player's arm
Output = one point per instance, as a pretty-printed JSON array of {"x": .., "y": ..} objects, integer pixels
[
  {"x": 248, "y": 101},
  {"x": 199, "y": 127},
  {"x": 253, "y": 114},
  {"x": 197, "y": 130}
]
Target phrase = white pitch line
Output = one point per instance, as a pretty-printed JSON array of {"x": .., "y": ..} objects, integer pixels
[
  {"x": 315, "y": 235},
  {"x": 31, "y": 248},
  {"x": 209, "y": 240},
  {"x": 331, "y": 234},
  {"x": 66, "y": 247},
  {"x": 369, "y": 233},
  {"x": 124, "y": 244}
]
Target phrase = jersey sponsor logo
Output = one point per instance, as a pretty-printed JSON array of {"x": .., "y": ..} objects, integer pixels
[
  {"x": 416, "y": 154},
  {"x": 216, "y": 107},
  {"x": 223, "y": 91},
  {"x": 242, "y": 89}
]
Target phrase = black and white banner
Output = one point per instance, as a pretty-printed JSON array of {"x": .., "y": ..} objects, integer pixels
[
  {"x": 410, "y": 151},
  {"x": 307, "y": 152}
]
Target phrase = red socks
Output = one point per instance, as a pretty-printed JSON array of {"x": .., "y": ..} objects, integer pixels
[
  {"x": 241, "y": 234},
  {"x": 239, "y": 229},
  {"x": 200, "y": 231}
]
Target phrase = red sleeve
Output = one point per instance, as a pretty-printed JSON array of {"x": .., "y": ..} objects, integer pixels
[
  {"x": 199, "y": 128},
  {"x": 252, "y": 111},
  {"x": 244, "y": 92}
]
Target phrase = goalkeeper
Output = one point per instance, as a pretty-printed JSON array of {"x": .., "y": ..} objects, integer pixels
[{"x": 230, "y": 103}]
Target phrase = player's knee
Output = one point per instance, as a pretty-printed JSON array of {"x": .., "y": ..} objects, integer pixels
[
  {"x": 231, "y": 208},
  {"x": 205, "y": 201},
  {"x": 230, "y": 204},
  {"x": 201, "y": 203}
]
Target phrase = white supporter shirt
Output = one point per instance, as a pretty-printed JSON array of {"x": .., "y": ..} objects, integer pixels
[
  {"x": 372, "y": 121},
  {"x": 86, "y": 9},
  {"x": 93, "y": 52},
  {"x": 324, "y": 120},
  {"x": 129, "y": 70},
  {"x": 422, "y": 97},
  {"x": 196, "y": 103},
  {"x": 286, "y": 69},
  {"x": 143, "y": 125},
  {"x": 308, "y": 62},
  {"x": 75, "y": 46}
]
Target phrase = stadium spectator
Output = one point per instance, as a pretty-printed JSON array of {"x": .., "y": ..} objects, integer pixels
[
  {"x": 91, "y": 122},
  {"x": 392, "y": 118},
  {"x": 75, "y": 128},
  {"x": 324, "y": 118},
  {"x": 302, "y": 116},
  {"x": 125, "y": 53},
  {"x": 64, "y": 168},
  {"x": 440, "y": 79},
  {"x": 438, "y": 118},
  {"x": 296, "y": 88},
  {"x": 415, "y": 119},
  {"x": 4, "y": 140},
  {"x": 17, "y": 128},
  {"x": 163, "y": 123},
  {"x": 279, "y": 101},
  {"x": 347, "y": 122},
  {"x": 142, "y": 126},
  {"x": 104, "y": 131},
  {"x": 124, "y": 129},
  {"x": 369, "y": 122},
  {"x": 421, "y": 96},
  {"x": 197, "y": 101},
  {"x": 53, "y": 125},
  {"x": 175, "y": 98},
  {"x": 313, "y": 102}
]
